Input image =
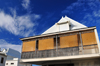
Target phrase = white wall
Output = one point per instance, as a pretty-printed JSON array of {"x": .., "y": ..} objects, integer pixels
[
  {"x": 2, "y": 64},
  {"x": 64, "y": 27},
  {"x": 16, "y": 63},
  {"x": 8, "y": 63}
]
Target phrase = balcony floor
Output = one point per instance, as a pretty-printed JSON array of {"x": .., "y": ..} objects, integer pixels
[{"x": 40, "y": 61}]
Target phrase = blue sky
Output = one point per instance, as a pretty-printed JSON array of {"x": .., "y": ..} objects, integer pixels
[{"x": 24, "y": 18}]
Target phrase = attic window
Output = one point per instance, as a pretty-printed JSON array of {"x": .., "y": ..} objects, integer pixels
[
  {"x": 64, "y": 26},
  {"x": 6, "y": 63},
  {"x": 12, "y": 63}
]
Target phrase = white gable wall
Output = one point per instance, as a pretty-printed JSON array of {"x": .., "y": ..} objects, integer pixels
[
  {"x": 75, "y": 24},
  {"x": 2, "y": 56},
  {"x": 52, "y": 29},
  {"x": 64, "y": 27}
]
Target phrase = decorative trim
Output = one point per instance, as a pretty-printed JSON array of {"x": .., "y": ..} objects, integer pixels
[
  {"x": 62, "y": 23},
  {"x": 88, "y": 31}
]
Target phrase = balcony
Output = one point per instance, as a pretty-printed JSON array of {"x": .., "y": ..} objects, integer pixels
[
  {"x": 72, "y": 51},
  {"x": 70, "y": 45}
]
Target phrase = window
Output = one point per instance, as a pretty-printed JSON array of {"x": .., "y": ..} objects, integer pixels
[
  {"x": 2, "y": 59},
  {"x": 6, "y": 63},
  {"x": 12, "y": 63}
]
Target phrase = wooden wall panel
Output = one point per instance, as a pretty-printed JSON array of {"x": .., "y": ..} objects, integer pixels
[
  {"x": 28, "y": 46},
  {"x": 89, "y": 38},
  {"x": 69, "y": 41},
  {"x": 46, "y": 44}
]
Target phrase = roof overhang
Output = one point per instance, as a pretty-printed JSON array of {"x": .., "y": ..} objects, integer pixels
[
  {"x": 63, "y": 23},
  {"x": 3, "y": 54},
  {"x": 55, "y": 33}
]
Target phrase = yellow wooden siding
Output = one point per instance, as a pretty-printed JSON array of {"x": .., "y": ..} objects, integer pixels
[
  {"x": 46, "y": 44},
  {"x": 89, "y": 38},
  {"x": 69, "y": 41},
  {"x": 28, "y": 46}
]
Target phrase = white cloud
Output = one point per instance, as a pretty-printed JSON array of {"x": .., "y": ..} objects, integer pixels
[
  {"x": 88, "y": 10},
  {"x": 25, "y": 3},
  {"x": 18, "y": 25},
  {"x": 82, "y": 5},
  {"x": 4, "y": 44}
]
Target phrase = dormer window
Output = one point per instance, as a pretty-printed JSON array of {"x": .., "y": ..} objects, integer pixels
[{"x": 63, "y": 26}]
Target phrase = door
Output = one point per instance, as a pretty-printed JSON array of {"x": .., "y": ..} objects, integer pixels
[{"x": 61, "y": 65}]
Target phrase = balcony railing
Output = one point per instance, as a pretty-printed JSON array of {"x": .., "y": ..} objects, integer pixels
[{"x": 90, "y": 49}]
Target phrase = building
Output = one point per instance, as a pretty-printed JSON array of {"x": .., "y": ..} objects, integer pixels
[
  {"x": 13, "y": 58},
  {"x": 3, "y": 57},
  {"x": 11, "y": 53},
  {"x": 66, "y": 43},
  {"x": 16, "y": 62}
]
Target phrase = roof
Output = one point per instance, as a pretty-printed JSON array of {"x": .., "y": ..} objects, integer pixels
[
  {"x": 75, "y": 26},
  {"x": 10, "y": 53},
  {"x": 56, "y": 28},
  {"x": 2, "y": 52},
  {"x": 13, "y": 53},
  {"x": 55, "y": 33}
]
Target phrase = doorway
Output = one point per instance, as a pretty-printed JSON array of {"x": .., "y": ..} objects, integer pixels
[{"x": 62, "y": 64}]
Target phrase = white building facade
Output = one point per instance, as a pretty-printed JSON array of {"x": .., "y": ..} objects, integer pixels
[
  {"x": 16, "y": 62},
  {"x": 3, "y": 57},
  {"x": 70, "y": 44},
  {"x": 64, "y": 24},
  {"x": 13, "y": 58}
]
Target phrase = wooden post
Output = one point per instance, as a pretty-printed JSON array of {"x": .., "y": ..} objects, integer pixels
[
  {"x": 81, "y": 42},
  {"x": 35, "y": 48},
  {"x": 56, "y": 46}
]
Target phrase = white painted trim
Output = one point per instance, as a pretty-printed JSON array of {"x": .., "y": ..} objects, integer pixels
[
  {"x": 97, "y": 38},
  {"x": 63, "y": 23},
  {"x": 58, "y": 29},
  {"x": 82, "y": 29},
  {"x": 61, "y": 58}
]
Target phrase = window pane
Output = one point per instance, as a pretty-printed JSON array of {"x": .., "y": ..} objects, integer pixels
[
  {"x": 2, "y": 59},
  {"x": 12, "y": 63},
  {"x": 6, "y": 63}
]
